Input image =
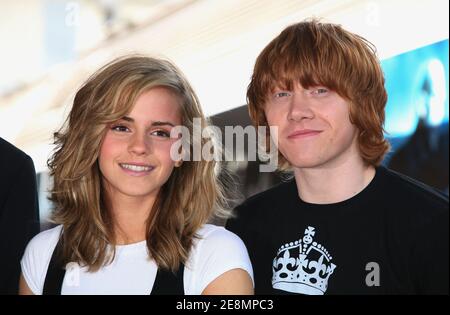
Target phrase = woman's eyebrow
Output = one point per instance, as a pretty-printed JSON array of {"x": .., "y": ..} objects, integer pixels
[
  {"x": 162, "y": 123},
  {"x": 154, "y": 123}
]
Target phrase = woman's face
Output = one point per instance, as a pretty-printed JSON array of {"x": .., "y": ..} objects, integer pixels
[{"x": 134, "y": 156}]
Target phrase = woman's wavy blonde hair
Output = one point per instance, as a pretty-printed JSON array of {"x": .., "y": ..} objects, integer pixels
[{"x": 191, "y": 196}]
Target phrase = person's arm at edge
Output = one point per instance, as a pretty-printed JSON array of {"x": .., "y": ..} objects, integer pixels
[
  {"x": 24, "y": 289},
  {"x": 233, "y": 282}
]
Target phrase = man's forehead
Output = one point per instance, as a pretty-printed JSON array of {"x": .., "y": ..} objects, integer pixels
[{"x": 289, "y": 85}]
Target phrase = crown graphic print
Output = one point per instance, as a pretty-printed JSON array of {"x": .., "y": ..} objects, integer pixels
[{"x": 303, "y": 266}]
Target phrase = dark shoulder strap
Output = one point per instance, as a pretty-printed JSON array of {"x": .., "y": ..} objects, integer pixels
[
  {"x": 166, "y": 282},
  {"x": 169, "y": 283},
  {"x": 55, "y": 273}
]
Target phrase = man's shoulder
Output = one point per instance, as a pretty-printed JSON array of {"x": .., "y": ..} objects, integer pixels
[
  {"x": 272, "y": 194},
  {"x": 10, "y": 151},
  {"x": 12, "y": 157},
  {"x": 15, "y": 167},
  {"x": 413, "y": 191},
  {"x": 260, "y": 210},
  {"x": 414, "y": 201},
  {"x": 268, "y": 199}
]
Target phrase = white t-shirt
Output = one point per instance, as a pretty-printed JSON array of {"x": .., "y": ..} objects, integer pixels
[{"x": 132, "y": 272}]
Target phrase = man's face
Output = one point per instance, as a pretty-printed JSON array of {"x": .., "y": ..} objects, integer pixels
[{"x": 314, "y": 128}]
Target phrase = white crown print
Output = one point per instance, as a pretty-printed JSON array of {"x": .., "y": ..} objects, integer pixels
[{"x": 302, "y": 266}]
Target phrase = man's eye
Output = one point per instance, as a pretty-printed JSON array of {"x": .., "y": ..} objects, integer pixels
[
  {"x": 281, "y": 94},
  {"x": 120, "y": 128},
  {"x": 319, "y": 91}
]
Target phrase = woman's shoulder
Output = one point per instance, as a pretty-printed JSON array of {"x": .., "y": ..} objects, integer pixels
[
  {"x": 37, "y": 257},
  {"x": 40, "y": 249},
  {"x": 210, "y": 233},
  {"x": 215, "y": 251},
  {"x": 46, "y": 239},
  {"x": 216, "y": 241}
]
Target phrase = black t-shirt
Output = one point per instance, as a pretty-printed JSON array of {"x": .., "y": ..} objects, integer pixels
[{"x": 391, "y": 238}]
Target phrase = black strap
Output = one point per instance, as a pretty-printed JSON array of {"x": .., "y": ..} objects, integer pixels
[
  {"x": 166, "y": 282},
  {"x": 169, "y": 283},
  {"x": 55, "y": 273}
]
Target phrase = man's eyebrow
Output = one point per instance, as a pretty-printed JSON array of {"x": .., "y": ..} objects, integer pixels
[{"x": 154, "y": 123}]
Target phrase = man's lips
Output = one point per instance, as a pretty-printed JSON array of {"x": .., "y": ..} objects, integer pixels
[{"x": 303, "y": 133}]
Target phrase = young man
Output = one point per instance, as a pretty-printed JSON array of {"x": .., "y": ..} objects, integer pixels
[{"x": 344, "y": 224}]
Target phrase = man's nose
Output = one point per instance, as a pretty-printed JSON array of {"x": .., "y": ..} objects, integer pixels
[{"x": 300, "y": 107}]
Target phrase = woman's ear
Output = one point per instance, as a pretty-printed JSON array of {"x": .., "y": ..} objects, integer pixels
[{"x": 178, "y": 163}]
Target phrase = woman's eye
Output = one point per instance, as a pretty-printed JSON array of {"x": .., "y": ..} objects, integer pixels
[
  {"x": 161, "y": 133},
  {"x": 120, "y": 128}
]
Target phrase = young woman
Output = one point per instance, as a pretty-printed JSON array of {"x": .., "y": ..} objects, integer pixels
[{"x": 132, "y": 220}]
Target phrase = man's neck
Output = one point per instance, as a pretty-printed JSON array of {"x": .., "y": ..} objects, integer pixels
[{"x": 332, "y": 184}]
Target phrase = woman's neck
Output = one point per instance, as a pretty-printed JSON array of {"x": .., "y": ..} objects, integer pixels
[{"x": 130, "y": 216}]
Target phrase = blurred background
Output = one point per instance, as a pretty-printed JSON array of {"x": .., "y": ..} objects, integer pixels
[{"x": 49, "y": 47}]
